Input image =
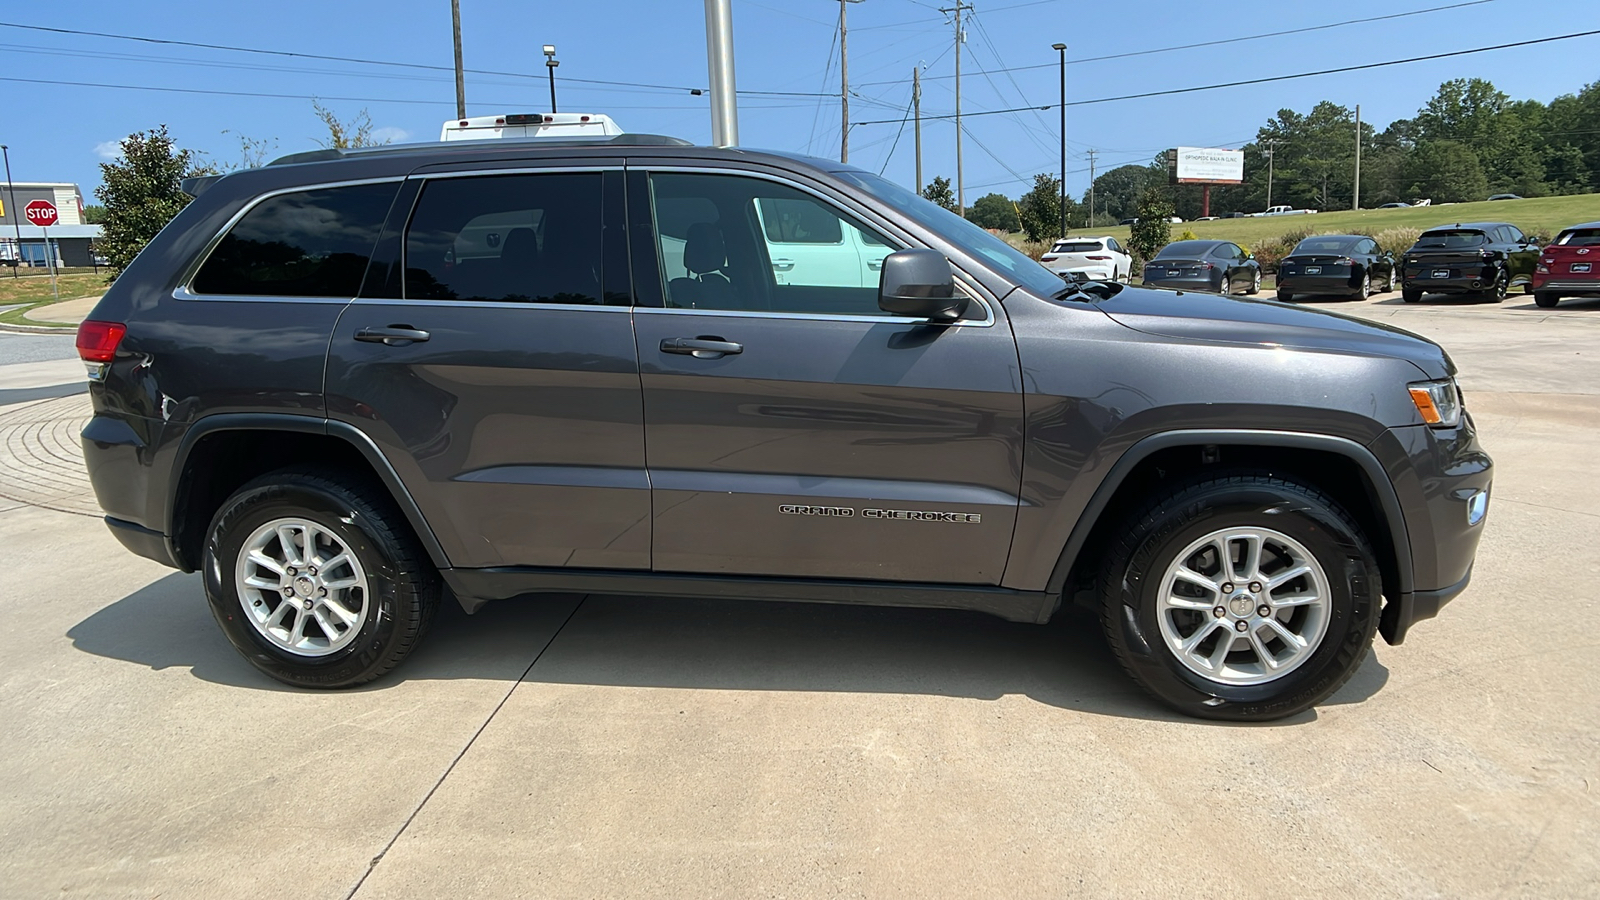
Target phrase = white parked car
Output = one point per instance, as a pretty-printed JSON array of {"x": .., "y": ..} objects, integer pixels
[{"x": 1089, "y": 259}]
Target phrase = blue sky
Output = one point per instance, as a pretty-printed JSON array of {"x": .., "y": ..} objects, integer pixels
[{"x": 59, "y": 132}]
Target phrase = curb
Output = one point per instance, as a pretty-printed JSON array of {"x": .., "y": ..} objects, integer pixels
[{"x": 38, "y": 329}]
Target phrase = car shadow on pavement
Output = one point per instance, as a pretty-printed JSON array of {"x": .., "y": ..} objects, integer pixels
[
  {"x": 1440, "y": 300},
  {"x": 697, "y": 644}
]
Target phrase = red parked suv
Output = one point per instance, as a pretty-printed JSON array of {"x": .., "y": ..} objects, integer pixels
[{"x": 1569, "y": 267}]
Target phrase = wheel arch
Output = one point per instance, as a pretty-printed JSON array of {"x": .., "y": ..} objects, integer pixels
[
  {"x": 1336, "y": 464},
  {"x": 221, "y": 452}
]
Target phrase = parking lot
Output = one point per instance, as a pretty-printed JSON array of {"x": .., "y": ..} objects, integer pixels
[{"x": 575, "y": 747}]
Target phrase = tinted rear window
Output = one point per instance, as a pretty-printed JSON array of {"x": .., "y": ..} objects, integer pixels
[
  {"x": 306, "y": 244},
  {"x": 1579, "y": 237},
  {"x": 1324, "y": 245},
  {"x": 1451, "y": 240},
  {"x": 1186, "y": 249},
  {"x": 1076, "y": 247}
]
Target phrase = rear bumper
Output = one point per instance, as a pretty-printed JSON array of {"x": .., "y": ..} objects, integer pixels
[
  {"x": 1084, "y": 273},
  {"x": 1343, "y": 283},
  {"x": 1462, "y": 280},
  {"x": 1566, "y": 287},
  {"x": 1185, "y": 284}
]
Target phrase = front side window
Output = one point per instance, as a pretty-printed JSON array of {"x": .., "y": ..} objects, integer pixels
[
  {"x": 312, "y": 243},
  {"x": 508, "y": 238},
  {"x": 730, "y": 242}
]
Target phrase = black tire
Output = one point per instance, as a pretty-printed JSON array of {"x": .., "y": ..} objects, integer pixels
[
  {"x": 402, "y": 590},
  {"x": 1131, "y": 579},
  {"x": 1411, "y": 295},
  {"x": 1388, "y": 281},
  {"x": 1255, "y": 283},
  {"x": 1285, "y": 297},
  {"x": 1227, "y": 286},
  {"x": 1545, "y": 299},
  {"x": 1364, "y": 291},
  {"x": 1502, "y": 285}
]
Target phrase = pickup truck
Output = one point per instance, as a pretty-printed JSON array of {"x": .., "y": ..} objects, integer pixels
[{"x": 1286, "y": 211}]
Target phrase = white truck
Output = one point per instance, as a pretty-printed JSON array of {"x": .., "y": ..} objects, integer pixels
[
  {"x": 529, "y": 125},
  {"x": 1286, "y": 211}
]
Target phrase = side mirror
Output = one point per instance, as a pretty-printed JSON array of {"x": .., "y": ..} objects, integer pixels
[{"x": 918, "y": 283}]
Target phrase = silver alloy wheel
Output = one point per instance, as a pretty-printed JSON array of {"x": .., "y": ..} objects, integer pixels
[
  {"x": 301, "y": 587},
  {"x": 1255, "y": 282},
  {"x": 1388, "y": 284},
  {"x": 1243, "y": 606},
  {"x": 1366, "y": 285}
]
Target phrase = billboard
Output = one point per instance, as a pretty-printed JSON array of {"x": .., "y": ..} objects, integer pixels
[{"x": 1201, "y": 165}]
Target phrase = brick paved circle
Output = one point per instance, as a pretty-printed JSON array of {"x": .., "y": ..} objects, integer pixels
[{"x": 41, "y": 459}]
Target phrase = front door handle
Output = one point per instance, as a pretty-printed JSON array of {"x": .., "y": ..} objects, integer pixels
[
  {"x": 703, "y": 347},
  {"x": 393, "y": 336},
  {"x": 782, "y": 265}
]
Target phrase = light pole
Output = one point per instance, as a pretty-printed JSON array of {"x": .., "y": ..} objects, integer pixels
[
  {"x": 1062, "y": 50},
  {"x": 461, "y": 85},
  {"x": 719, "y": 63},
  {"x": 16, "y": 222},
  {"x": 550, "y": 63}
]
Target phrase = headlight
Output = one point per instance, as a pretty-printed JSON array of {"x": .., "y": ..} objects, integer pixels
[{"x": 1439, "y": 402}]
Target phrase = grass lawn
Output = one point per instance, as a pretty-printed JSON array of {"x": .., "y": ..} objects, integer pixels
[
  {"x": 34, "y": 291},
  {"x": 1538, "y": 214}
]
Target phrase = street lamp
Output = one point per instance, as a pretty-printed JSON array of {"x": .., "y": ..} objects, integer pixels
[
  {"x": 550, "y": 63},
  {"x": 16, "y": 221},
  {"x": 1062, "y": 50}
]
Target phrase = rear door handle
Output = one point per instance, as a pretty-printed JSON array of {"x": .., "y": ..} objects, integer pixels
[
  {"x": 782, "y": 265},
  {"x": 393, "y": 336},
  {"x": 701, "y": 347}
]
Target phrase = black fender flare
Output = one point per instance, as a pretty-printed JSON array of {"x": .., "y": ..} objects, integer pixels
[
  {"x": 302, "y": 425},
  {"x": 1398, "y": 609}
]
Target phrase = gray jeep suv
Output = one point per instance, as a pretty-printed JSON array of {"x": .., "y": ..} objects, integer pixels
[{"x": 350, "y": 383}]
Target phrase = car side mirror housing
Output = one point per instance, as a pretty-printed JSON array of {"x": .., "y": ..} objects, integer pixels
[{"x": 918, "y": 283}]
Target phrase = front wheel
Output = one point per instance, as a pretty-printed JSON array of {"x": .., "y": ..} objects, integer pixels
[
  {"x": 1241, "y": 597},
  {"x": 317, "y": 579}
]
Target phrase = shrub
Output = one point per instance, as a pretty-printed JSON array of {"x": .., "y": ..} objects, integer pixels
[
  {"x": 1270, "y": 252},
  {"x": 1397, "y": 240},
  {"x": 1187, "y": 235}
]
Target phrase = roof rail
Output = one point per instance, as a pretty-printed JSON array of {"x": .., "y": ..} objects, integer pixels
[{"x": 619, "y": 140}]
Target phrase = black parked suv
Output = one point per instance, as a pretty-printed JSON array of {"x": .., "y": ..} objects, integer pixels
[
  {"x": 1485, "y": 259},
  {"x": 351, "y": 383}
]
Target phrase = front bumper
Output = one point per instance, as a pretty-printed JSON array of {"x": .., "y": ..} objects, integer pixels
[{"x": 1442, "y": 477}]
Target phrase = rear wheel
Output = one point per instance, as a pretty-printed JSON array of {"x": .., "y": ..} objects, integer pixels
[
  {"x": 1285, "y": 296},
  {"x": 1227, "y": 285},
  {"x": 1388, "y": 281},
  {"x": 1411, "y": 295},
  {"x": 1241, "y": 597},
  {"x": 1255, "y": 283},
  {"x": 1545, "y": 299},
  {"x": 1365, "y": 289},
  {"x": 1497, "y": 290},
  {"x": 319, "y": 582}
]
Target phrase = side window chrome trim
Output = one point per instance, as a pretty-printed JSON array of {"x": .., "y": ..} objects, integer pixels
[
  {"x": 986, "y": 322},
  {"x": 963, "y": 280},
  {"x": 182, "y": 292},
  {"x": 484, "y": 304},
  {"x": 204, "y": 256}
]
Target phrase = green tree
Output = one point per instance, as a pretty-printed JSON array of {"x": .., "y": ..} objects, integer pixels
[
  {"x": 1117, "y": 191},
  {"x": 93, "y": 214},
  {"x": 994, "y": 211},
  {"x": 341, "y": 135},
  {"x": 141, "y": 194},
  {"x": 1041, "y": 208},
  {"x": 1154, "y": 228},
  {"x": 938, "y": 191},
  {"x": 1445, "y": 172}
]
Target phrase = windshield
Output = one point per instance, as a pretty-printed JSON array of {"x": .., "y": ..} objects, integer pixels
[
  {"x": 1451, "y": 240},
  {"x": 1579, "y": 237},
  {"x": 1324, "y": 245},
  {"x": 999, "y": 255},
  {"x": 1185, "y": 249}
]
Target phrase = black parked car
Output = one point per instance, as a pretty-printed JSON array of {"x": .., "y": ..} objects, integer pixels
[
  {"x": 1349, "y": 265},
  {"x": 1221, "y": 267},
  {"x": 349, "y": 385},
  {"x": 1485, "y": 259}
]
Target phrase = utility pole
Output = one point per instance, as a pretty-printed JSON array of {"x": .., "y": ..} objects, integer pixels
[
  {"x": 1355, "y": 202},
  {"x": 16, "y": 214},
  {"x": 1270, "y": 151},
  {"x": 461, "y": 84},
  {"x": 1091, "y": 186},
  {"x": 1062, "y": 50},
  {"x": 961, "y": 186},
  {"x": 916, "y": 105},
  {"x": 844, "y": 85},
  {"x": 719, "y": 59}
]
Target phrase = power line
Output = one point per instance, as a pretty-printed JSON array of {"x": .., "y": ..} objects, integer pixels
[
  {"x": 380, "y": 62},
  {"x": 1233, "y": 40},
  {"x": 1268, "y": 80}
]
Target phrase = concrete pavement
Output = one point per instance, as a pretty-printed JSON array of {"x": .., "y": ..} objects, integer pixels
[{"x": 578, "y": 747}]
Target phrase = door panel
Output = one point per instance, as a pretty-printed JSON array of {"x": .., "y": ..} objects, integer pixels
[
  {"x": 517, "y": 423},
  {"x": 827, "y": 446}
]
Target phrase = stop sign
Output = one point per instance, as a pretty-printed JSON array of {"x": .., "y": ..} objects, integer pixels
[{"x": 40, "y": 212}]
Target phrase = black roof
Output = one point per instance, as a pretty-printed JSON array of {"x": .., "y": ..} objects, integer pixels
[{"x": 1467, "y": 226}]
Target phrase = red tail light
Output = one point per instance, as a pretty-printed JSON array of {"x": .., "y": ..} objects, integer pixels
[
  {"x": 98, "y": 341},
  {"x": 1097, "y": 257},
  {"x": 1344, "y": 261}
]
